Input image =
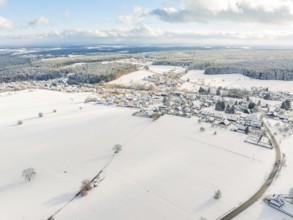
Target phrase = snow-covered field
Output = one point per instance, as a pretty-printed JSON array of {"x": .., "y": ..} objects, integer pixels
[
  {"x": 165, "y": 69},
  {"x": 232, "y": 81},
  {"x": 131, "y": 78},
  {"x": 138, "y": 76},
  {"x": 167, "y": 169}
]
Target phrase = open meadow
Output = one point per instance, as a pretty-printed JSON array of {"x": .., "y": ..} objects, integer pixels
[{"x": 167, "y": 169}]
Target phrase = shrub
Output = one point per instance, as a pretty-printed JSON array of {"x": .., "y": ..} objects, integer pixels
[
  {"x": 251, "y": 105},
  {"x": 218, "y": 194},
  {"x": 220, "y": 106},
  {"x": 54, "y": 110},
  {"x": 85, "y": 187},
  {"x": 40, "y": 114},
  {"x": 156, "y": 116},
  {"x": 19, "y": 122},
  {"x": 202, "y": 129},
  {"x": 28, "y": 174}
]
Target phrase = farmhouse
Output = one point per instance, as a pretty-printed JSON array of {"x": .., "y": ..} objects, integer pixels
[
  {"x": 241, "y": 128},
  {"x": 232, "y": 118},
  {"x": 284, "y": 118},
  {"x": 224, "y": 123},
  {"x": 277, "y": 201}
]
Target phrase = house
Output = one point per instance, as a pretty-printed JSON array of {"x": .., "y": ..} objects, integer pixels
[
  {"x": 206, "y": 104},
  {"x": 240, "y": 128},
  {"x": 218, "y": 115},
  {"x": 187, "y": 110},
  {"x": 204, "y": 113},
  {"x": 247, "y": 111},
  {"x": 211, "y": 119},
  {"x": 272, "y": 114},
  {"x": 277, "y": 201},
  {"x": 255, "y": 124},
  {"x": 232, "y": 118},
  {"x": 209, "y": 102},
  {"x": 196, "y": 105},
  {"x": 284, "y": 118},
  {"x": 217, "y": 98},
  {"x": 224, "y": 123}
]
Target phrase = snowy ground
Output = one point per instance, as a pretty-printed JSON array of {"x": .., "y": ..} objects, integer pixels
[
  {"x": 166, "y": 170},
  {"x": 131, "y": 78},
  {"x": 232, "y": 81},
  {"x": 138, "y": 76},
  {"x": 165, "y": 69}
]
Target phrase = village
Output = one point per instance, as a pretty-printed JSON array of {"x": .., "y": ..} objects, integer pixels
[{"x": 159, "y": 94}]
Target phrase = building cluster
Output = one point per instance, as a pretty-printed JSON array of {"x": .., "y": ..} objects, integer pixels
[
  {"x": 238, "y": 114},
  {"x": 55, "y": 85}
]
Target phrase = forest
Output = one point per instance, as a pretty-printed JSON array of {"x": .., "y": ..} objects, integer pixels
[
  {"x": 78, "y": 69},
  {"x": 258, "y": 64},
  {"x": 93, "y": 67}
]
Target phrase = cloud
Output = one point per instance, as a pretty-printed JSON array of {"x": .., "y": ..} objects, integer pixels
[
  {"x": 137, "y": 17},
  {"x": 5, "y": 24},
  {"x": 40, "y": 21},
  {"x": 244, "y": 11},
  {"x": 67, "y": 15},
  {"x": 148, "y": 34},
  {"x": 139, "y": 32},
  {"x": 2, "y": 3}
]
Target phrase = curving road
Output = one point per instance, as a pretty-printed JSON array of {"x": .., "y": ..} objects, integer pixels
[{"x": 264, "y": 187}]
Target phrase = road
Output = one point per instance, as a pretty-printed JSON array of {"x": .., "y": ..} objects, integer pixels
[{"x": 264, "y": 187}]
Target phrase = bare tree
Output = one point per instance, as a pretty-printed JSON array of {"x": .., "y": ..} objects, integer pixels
[
  {"x": 117, "y": 148},
  {"x": 218, "y": 194},
  {"x": 28, "y": 174}
]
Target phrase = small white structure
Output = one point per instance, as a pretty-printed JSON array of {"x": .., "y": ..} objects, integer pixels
[
  {"x": 232, "y": 118},
  {"x": 224, "y": 123},
  {"x": 281, "y": 203},
  {"x": 284, "y": 118},
  {"x": 240, "y": 128},
  {"x": 277, "y": 201}
]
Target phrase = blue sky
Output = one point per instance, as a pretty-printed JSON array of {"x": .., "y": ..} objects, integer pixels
[{"x": 188, "y": 22}]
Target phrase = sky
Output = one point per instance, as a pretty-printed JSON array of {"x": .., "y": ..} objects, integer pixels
[{"x": 152, "y": 22}]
